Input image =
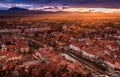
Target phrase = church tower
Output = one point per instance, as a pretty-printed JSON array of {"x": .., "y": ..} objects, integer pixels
[{"x": 4, "y": 48}]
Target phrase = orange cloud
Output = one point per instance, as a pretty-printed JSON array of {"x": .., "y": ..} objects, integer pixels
[{"x": 105, "y": 10}]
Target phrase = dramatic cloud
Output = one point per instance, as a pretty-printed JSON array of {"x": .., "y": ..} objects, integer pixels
[{"x": 70, "y": 3}]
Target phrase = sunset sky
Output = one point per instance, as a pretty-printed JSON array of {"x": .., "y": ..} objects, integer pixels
[{"x": 64, "y": 5}]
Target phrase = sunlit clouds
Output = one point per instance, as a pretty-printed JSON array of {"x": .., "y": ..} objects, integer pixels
[
  {"x": 105, "y": 10},
  {"x": 76, "y": 9},
  {"x": 7, "y": 6},
  {"x": 55, "y": 8},
  {"x": 47, "y": 8}
]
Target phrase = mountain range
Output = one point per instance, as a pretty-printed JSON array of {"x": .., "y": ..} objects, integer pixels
[{"x": 16, "y": 9}]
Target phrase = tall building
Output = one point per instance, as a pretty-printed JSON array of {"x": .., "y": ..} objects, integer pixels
[{"x": 4, "y": 48}]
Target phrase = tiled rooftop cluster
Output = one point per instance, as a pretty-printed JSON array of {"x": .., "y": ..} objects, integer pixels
[
  {"x": 12, "y": 48},
  {"x": 40, "y": 47},
  {"x": 108, "y": 50},
  {"x": 50, "y": 63},
  {"x": 53, "y": 57}
]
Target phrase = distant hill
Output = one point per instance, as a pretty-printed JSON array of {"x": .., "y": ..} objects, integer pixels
[
  {"x": 24, "y": 12},
  {"x": 16, "y": 9}
]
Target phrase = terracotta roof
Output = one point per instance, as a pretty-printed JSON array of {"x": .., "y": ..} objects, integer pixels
[{"x": 117, "y": 65}]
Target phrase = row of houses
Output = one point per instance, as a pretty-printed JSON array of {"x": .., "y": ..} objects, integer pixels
[
  {"x": 108, "y": 55},
  {"x": 25, "y": 30},
  {"x": 12, "y": 52}
]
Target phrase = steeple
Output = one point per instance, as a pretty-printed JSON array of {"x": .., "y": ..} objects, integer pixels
[{"x": 4, "y": 48}]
